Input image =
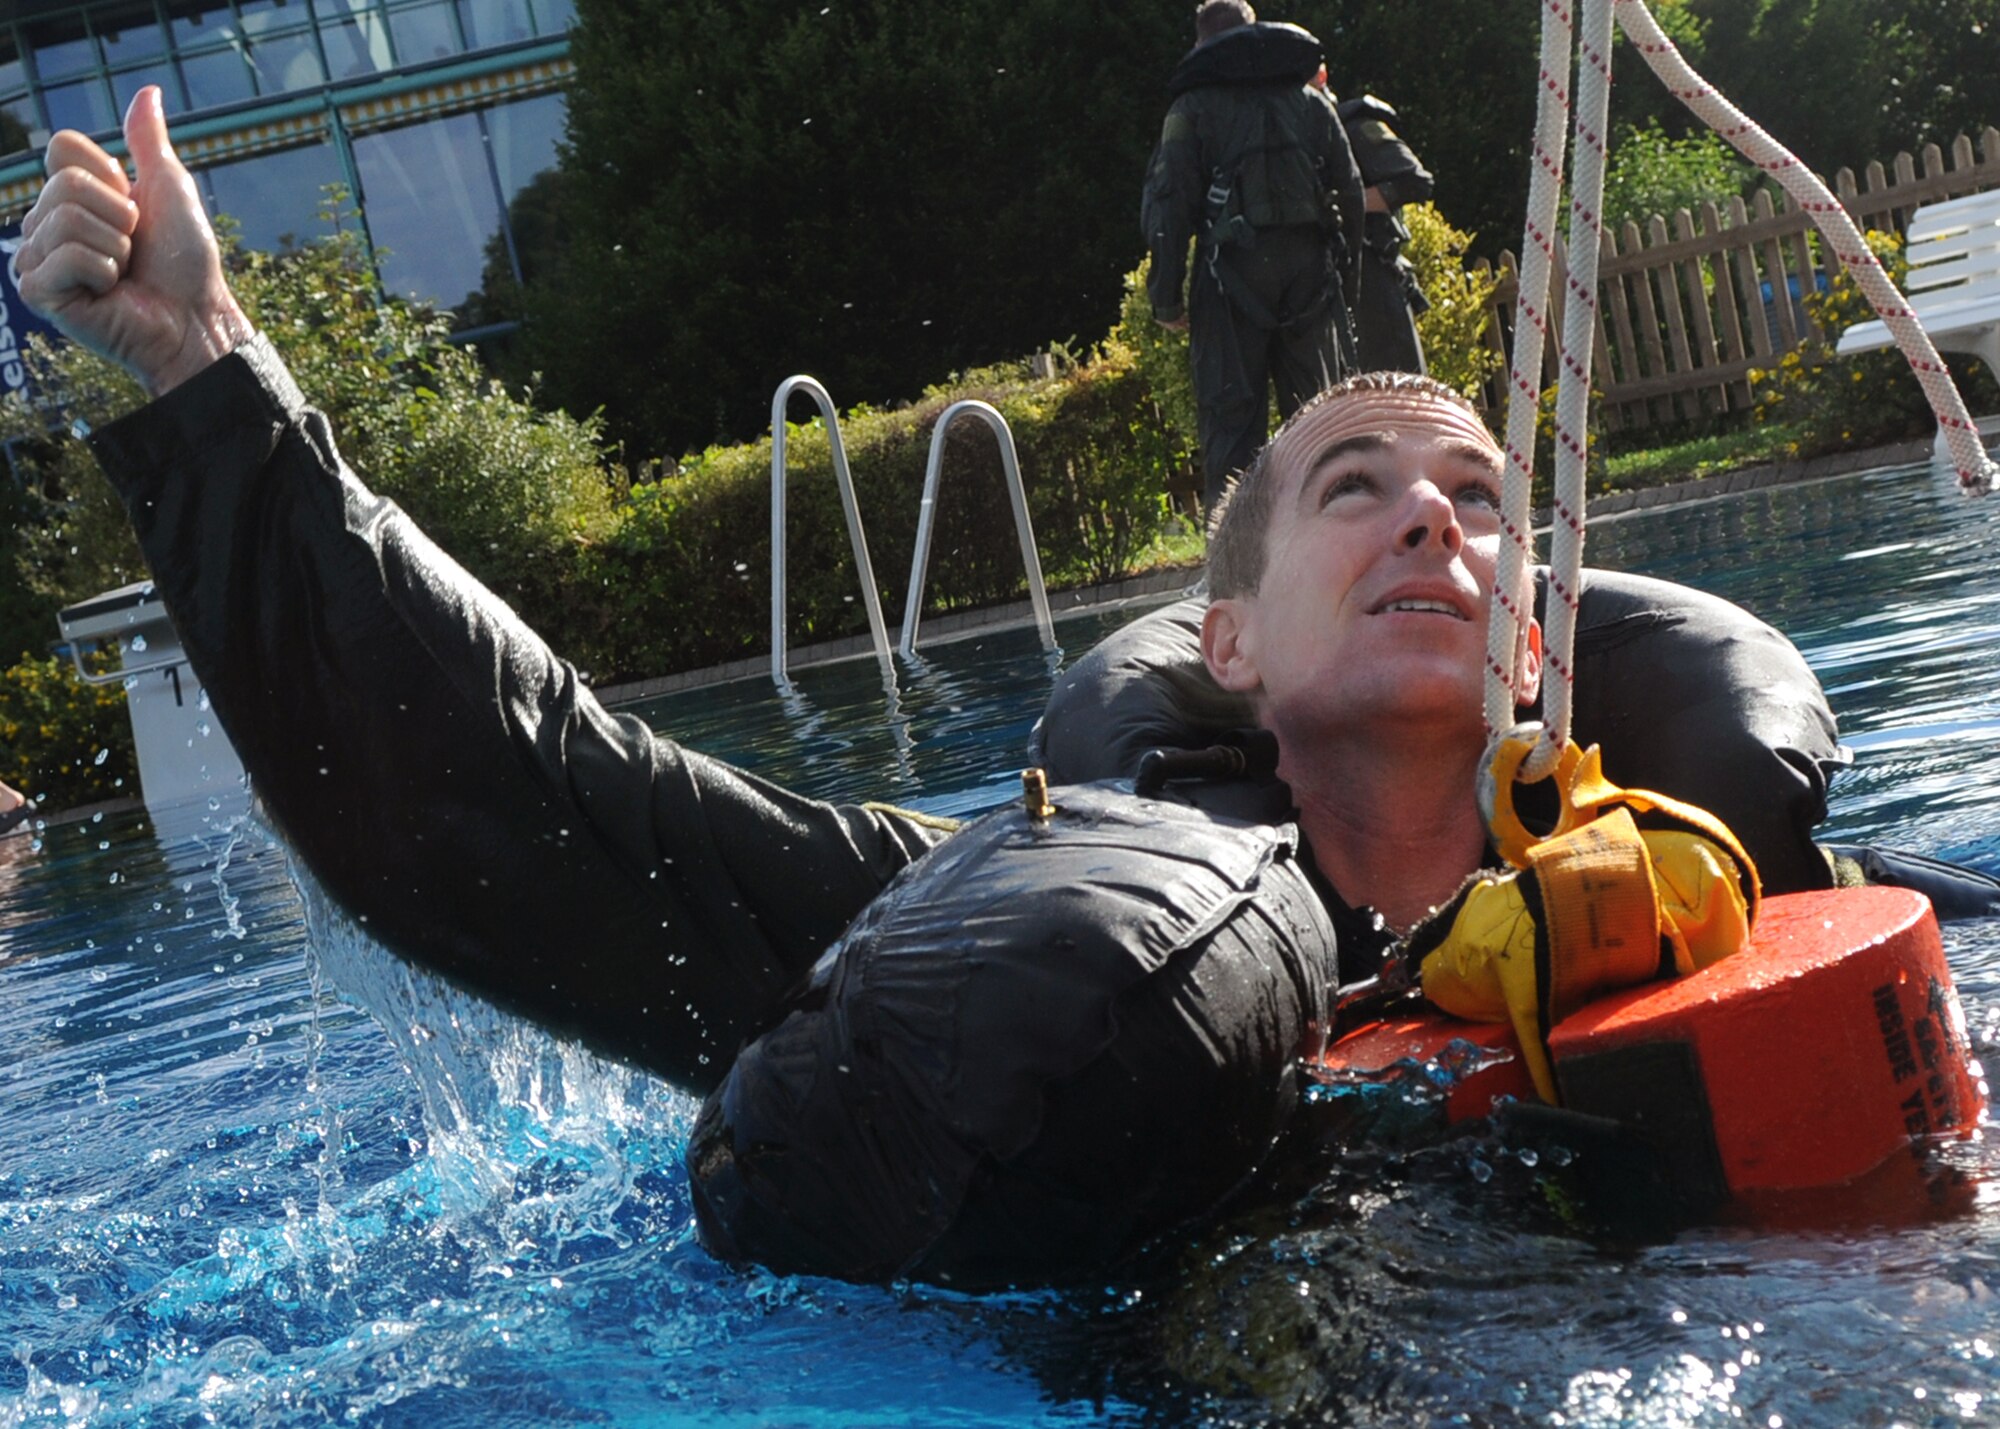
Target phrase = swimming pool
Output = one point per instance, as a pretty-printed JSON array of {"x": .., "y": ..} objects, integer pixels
[{"x": 230, "y": 1196}]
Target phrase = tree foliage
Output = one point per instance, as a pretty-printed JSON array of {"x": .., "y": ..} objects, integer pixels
[
  {"x": 1654, "y": 173},
  {"x": 1841, "y": 82},
  {"x": 880, "y": 192},
  {"x": 506, "y": 489},
  {"x": 875, "y": 192}
]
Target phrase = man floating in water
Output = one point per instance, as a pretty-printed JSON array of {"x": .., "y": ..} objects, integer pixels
[{"x": 943, "y": 1094}]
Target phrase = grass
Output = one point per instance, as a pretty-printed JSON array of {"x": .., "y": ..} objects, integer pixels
[{"x": 1700, "y": 456}]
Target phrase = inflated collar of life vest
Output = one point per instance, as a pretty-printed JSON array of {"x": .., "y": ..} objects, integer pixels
[
  {"x": 1807, "y": 1060},
  {"x": 1267, "y": 52}
]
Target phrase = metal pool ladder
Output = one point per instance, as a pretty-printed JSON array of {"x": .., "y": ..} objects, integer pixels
[
  {"x": 877, "y": 629},
  {"x": 920, "y": 560},
  {"x": 913, "y": 605}
]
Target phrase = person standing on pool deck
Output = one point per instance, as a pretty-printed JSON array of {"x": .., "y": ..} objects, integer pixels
[
  {"x": 1253, "y": 163},
  {"x": 1385, "y": 312},
  {"x": 453, "y": 784}
]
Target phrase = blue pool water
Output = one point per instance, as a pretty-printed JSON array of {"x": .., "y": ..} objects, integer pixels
[{"x": 252, "y": 1172}]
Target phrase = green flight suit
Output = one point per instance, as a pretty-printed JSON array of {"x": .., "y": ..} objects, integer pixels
[
  {"x": 1386, "y": 309},
  {"x": 1253, "y": 162}
]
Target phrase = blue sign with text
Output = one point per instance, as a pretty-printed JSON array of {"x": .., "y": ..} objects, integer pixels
[{"x": 17, "y": 323}]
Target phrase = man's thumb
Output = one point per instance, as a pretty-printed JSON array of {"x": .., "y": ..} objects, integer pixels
[{"x": 146, "y": 134}]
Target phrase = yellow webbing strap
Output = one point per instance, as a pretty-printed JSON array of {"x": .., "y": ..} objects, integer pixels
[
  {"x": 1600, "y": 912},
  {"x": 1584, "y": 795},
  {"x": 1598, "y": 905}
]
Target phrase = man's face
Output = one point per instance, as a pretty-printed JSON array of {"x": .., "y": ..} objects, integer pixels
[{"x": 1372, "y": 610}]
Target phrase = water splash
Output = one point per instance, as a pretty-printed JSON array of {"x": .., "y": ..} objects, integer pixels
[
  {"x": 532, "y": 1142},
  {"x": 1402, "y": 1104}
]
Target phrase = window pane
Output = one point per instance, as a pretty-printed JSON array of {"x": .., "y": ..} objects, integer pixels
[
  {"x": 431, "y": 207},
  {"x": 356, "y": 47},
  {"x": 554, "y": 17},
  {"x": 128, "y": 83},
  {"x": 494, "y": 22},
  {"x": 17, "y": 122},
  {"x": 129, "y": 32},
  {"x": 524, "y": 139},
  {"x": 285, "y": 62},
  {"x": 276, "y": 198},
  {"x": 61, "y": 48},
  {"x": 260, "y": 17},
  {"x": 84, "y": 106},
  {"x": 424, "y": 32},
  {"x": 17, "y": 106},
  {"x": 218, "y": 77},
  {"x": 198, "y": 24},
  {"x": 525, "y": 135}
]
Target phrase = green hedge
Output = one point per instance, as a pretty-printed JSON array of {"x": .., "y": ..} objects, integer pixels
[{"x": 683, "y": 578}]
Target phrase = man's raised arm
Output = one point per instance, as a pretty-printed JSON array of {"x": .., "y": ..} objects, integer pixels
[{"x": 446, "y": 777}]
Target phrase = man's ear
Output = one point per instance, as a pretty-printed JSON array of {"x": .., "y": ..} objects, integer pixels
[
  {"x": 1528, "y": 681},
  {"x": 1226, "y": 647}
]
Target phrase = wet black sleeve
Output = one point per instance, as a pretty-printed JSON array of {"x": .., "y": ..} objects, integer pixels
[
  {"x": 1170, "y": 213},
  {"x": 448, "y": 779}
]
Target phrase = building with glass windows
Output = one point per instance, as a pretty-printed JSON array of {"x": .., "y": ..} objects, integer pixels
[{"x": 437, "y": 115}]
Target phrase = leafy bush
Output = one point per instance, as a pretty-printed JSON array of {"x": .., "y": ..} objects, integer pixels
[
  {"x": 511, "y": 492},
  {"x": 1160, "y": 355},
  {"x": 1833, "y": 402},
  {"x": 1652, "y": 173},
  {"x": 63, "y": 742},
  {"x": 1454, "y": 330}
]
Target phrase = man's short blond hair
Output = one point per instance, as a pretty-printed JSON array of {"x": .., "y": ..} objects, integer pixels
[{"x": 1239, "y": 529}]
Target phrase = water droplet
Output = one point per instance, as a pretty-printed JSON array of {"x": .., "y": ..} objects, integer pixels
[
  {"x": 138, "y": 644},
  {"x": 102, "y": 755}
]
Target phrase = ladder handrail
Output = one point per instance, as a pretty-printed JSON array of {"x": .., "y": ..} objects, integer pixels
[
  {"x": 877, "y": 629},
  {"x": 926, "y": 513}
]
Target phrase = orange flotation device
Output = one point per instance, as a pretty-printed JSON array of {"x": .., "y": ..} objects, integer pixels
[{"x": 1829, "y": 1045}]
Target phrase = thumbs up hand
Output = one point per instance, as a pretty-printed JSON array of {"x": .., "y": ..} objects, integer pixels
[{"x": 129, "y": 268}]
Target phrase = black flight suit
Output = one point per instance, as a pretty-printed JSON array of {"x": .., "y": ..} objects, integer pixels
[
  {"x": 1252, "y": 161},
  {"x": 1390, "y": 299}
]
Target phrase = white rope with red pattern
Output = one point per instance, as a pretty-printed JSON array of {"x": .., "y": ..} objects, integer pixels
[
  {"x": 1586, "y": 230},
  {"x": 1524, "y": 388}
]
